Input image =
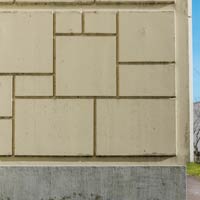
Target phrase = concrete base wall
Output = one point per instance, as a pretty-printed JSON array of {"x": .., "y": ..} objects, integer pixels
[{"x": 92, "y": 183}]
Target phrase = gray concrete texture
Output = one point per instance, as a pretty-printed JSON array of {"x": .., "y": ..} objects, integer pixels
[{"x": 92, "y": 183}]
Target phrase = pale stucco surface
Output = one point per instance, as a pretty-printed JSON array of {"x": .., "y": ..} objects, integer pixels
[{"x": 67, "y": 68}]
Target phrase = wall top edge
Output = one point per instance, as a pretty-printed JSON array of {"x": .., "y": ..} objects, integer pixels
[
  {"x": 87, "y": 165},
  {"x": 85, "y": 2}
]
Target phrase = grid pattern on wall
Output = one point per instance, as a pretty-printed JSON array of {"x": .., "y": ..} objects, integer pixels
[{"x": 88, "y": 83}]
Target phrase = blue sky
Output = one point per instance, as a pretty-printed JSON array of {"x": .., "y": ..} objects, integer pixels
[{"x": 196, "y": 49}]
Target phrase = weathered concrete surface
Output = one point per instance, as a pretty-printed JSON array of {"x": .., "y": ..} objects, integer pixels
[
  {"x": 193, "y": 188},
  {"x": 92, "y": 183}
]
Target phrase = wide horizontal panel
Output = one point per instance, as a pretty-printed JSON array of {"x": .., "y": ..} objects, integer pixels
[
  {"x": 138, "y": 1},
  {"x": 127, "y": 127},
  {"x": 100, "y": 22},
  {"x": 92, "y": 183},
  {"x": 54, "y": 127},
  {"x": 147, "y": 80},
  {"x": 56, "y": 1},
  {"x": 34, "y": 85}
]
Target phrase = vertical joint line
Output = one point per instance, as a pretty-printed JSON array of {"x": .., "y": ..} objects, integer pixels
[
  {"x": 117, "y": 54},
  {"x": 83, "y": 22},
  {"x": 54, "y": 54},
  {"x": 94, "y": 136},
  {"x": 13, "y": 116}
]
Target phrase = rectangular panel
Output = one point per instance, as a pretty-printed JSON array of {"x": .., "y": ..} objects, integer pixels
[
  {"x": 56, "y": 1},
  {"x": 100, "y": 22},
  {"x": 136, "y": 127},
  {"x": 6, "y": 1},
  {"x": 26, "y": 42},
  {"x": 54, "y": 127},
  {"x": 5, "y": 95},
  {"x": 5, "y": 137},
  {"x": 136, "y": 1},
  {"x": 147, "y": 80},
  {"x": 34, "y": 86}
]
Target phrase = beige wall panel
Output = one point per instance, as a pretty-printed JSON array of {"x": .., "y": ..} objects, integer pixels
[
  {"x": 6, "y": 1},
  {"x": 146, "y": 36},
  {"x": 86, "y": 66},
  {"x": 34, "y": 86},
  {"x": 54, "y": 127},
  {"x": 26, "y": 42},
  {"x": 136, "y": 127},
  {"x": 88, "y": 80},
  {"x": 5, "y": 137},
  {"x": 5, "y": 95},
  {"x": 68, "y": 22},
  {"x": 129, "y": 1},
  {"x": 147, "y": 80},
  {"x": 100, "y": 22},
  {"x": 56, "y": 1}
]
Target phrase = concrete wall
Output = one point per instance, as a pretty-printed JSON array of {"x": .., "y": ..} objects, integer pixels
[
  {"x": 92, "y": 183},
  {"x": 87, "y": 82}
]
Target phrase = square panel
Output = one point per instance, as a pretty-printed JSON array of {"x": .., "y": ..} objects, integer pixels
[
  {"x": 26, "y": 42},
  {"x": 68, "y": 22},
  {"x": 86, "y": 66},
  {"x": 146, "y": 36}
]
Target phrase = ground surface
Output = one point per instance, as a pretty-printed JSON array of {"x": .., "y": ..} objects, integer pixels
[
  {"x": 193, "y": 169},
  {"x": 193, "y": 188}
]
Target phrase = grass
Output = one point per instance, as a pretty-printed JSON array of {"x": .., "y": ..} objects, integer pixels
[{"x": 193, "y": 169}]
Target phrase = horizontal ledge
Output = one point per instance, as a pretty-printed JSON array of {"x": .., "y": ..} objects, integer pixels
[
  {"x": 85, "y": 34},
  {"x": 92, "y": 3},
  {"x": 148, "y": 63},
  {"x": 89, "y": 157},
  {"x": 147, "y": 2},
  {"x": 6, "y": 117},
  {"x": 25, "y": 74},
  {"x": 96, "y": 97}
]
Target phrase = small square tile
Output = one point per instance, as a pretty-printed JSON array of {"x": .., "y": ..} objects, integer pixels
[{"x": 68, "y": 22}]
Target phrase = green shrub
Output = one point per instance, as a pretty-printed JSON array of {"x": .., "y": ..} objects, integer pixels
[{"x": 193, "y": 169}]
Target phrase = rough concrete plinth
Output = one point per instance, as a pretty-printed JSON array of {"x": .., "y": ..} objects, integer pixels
[{"x": 92, "y": 183}]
